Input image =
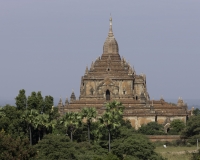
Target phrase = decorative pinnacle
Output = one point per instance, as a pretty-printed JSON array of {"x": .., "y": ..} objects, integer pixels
[
  {"x": 86, "y": 70},
  {"x": 110, "y": 28},
  {"x": 110, "y": 20}
]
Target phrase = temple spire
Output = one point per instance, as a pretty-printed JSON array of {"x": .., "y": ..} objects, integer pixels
[
  {"x": 86, "y": 70},
  {"x": 66, "y": 101},
  {"x": 73, "y": 97},
  {"x": 60, "y": 101},
  {"x": 110, "y": 34}
]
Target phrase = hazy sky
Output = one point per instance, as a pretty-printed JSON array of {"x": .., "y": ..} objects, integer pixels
[{"x": 45, "y": 45}]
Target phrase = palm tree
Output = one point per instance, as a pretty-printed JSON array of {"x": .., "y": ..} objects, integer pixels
[
  {"x": 96, "y": 132},
  {"x": 41, "y": 121},
  {"x": 112, "y": 118},
  {"x": 30, "y": 117},
  {"x": 89, "y": 114},
  {"x": 115, "y": 107},
  {"x": 50, "y": 125},
  {"x": 71, "y": 120}
]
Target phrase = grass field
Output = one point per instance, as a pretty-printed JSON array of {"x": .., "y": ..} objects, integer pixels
[{"x": 176, "y": 153}]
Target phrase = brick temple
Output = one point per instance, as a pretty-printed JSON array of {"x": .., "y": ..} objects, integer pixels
[{"x": 110, "y": 78}]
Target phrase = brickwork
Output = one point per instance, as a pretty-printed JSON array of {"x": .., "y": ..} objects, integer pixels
[
  {"x": 111, "y": 77},
  {"x": 164, "y": 138}
]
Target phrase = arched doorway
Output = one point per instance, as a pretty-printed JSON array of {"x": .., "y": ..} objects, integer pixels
[{"x": 107, "y": 95}]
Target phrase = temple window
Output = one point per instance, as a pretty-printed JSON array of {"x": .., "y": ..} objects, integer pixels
[{"x": 107, "y": 95}]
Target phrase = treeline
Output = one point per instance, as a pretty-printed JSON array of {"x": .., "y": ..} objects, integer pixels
[{"x": 33, "y": 129}]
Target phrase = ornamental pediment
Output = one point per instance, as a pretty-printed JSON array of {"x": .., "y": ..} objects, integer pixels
[{"x": 107, "y": 82}]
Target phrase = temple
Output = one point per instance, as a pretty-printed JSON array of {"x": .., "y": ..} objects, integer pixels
[{"x": 111, "y": 77}]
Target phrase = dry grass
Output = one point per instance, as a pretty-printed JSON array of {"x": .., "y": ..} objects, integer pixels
[{"x": 176, "y": 153}]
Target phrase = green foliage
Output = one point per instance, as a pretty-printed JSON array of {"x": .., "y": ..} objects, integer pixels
[
  {"x": 11, "y": 121},
  {"x": 48, "y": 103},
  {"x": 71, "y": 121},
  {"x": 89, "y": 114},
  {"x": 40, "y": 102},
  {"x": 37, "y": 102},
  {"x": 32, "y": 101},
  {"x": 152, "y": 128},
  {"x": 176, "y": 126},
  {"x": 196, "y": 156},
  {"x": 196, "y": 112},
  {"x": 21, "y": 100},
  {"x": 192, "y": 129},
  {"x": 31, "y": 120},
  {"x": 49, "y": 133},
  {"x": 110, "y": 156},
  {"x": 60, "y": 147},
  {"x": 135, "y": 146},
  {"x": 2, "y": 114},
  {"x": 18, "y": 148},
  {"x": 112, "y": 116}
]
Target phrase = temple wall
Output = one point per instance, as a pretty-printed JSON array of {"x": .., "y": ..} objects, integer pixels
[
  {"x": 138, "y": 121},
  {"x": 125, "y": 85},
  {"x": 117, "y": 87},
  {"x": 161, "y": 119},
  {"x": 163, "y": 138},
  {"x": 182, "y": 118}
]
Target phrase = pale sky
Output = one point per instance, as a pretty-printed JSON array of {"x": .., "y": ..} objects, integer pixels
[{"x": 45, "y": 45}]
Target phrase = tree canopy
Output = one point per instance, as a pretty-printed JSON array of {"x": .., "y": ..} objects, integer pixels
[
  {"x": 152, "y": 128},
  {"x": 36, "y": 130},
  {"x": 192, "y": 129}
]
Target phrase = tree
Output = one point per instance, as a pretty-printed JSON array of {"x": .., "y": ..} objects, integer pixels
[
  {"x": 176, "y": 126},
  {"x": 112, "y": 118},
  {"x": 53, "y": 147},
  {"x": 40, "y": 101},
  {"x": 196, "y": 112},
  {"x": 192, "y": 129},
  {"x": 32, "y": 102},
  {"x": 21, "y": 100},
  {"x": 71, "y": 120},
  {"x": 48, "y": 103},
  {"x": 151, "y": 128},
  {"x": 41, "y": 122},
  {"x": 11, "y": 121},
  {"x": 89, "y": 114},
  {"x": 30, "y": 117},
  {"x": 134, "y": 146},
  {"x": 96, "y": 132},
  {"x": 2, "y": 114},
  {"x": 18, "y": 148}
]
